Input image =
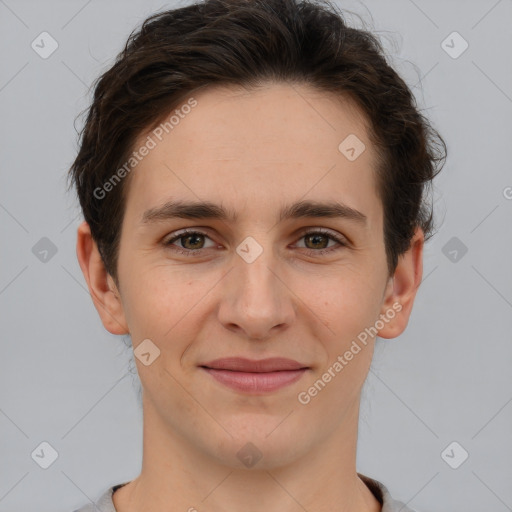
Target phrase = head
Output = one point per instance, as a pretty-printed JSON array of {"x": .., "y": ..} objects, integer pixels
[{"x": 309, "y": 165}]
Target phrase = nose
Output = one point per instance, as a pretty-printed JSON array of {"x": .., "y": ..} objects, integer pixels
[{"x": 257, "y": 301}]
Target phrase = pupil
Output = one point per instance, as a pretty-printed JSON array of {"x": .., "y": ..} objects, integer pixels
[
  {"x": 316, "y": 237},
  {"x": 193, "y": 237}
]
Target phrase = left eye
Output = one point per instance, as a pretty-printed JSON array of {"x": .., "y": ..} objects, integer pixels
[
  {"x": 323, "y": 236},
  {"x": 192, "y": 241}
]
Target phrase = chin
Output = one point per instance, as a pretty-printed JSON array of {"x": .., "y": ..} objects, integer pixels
[{"x": 259, "y": 445}]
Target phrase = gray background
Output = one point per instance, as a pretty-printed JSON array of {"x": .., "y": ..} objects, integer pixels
[{"x": 67, "y": 381}]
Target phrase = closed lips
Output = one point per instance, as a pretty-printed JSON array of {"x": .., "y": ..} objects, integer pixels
[
  {"x": 239, "y": 364},
  {"x": 255, "y": 377}
]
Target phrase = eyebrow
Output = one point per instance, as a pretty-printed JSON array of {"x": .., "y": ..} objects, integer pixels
[{"x": 207, "y": 210}]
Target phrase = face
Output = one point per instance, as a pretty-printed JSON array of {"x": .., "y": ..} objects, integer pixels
[{"x": 264, "y": 280}]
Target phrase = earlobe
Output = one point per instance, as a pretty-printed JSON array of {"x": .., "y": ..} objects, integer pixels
[
  {"x": 402, "y": 287},
  {"x": 103, "y": 290}
]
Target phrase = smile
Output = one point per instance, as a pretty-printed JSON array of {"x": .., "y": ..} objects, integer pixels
[{"x": 251, "y": 376}]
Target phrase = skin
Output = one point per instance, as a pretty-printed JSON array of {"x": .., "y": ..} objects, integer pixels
[{"x": 253, "y": 152}]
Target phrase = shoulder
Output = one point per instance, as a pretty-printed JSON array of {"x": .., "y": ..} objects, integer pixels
[
  {"x": 103, "y": 503},
  {"x": 381, "y": 492}
]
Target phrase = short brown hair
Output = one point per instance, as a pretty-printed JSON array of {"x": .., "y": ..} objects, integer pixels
[{"x": 248, "y": 42}]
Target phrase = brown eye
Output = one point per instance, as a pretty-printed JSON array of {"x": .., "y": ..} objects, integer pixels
[
  {"x": 318, "y": 240},
  {"x": 190, "y": 243},
  {"x": 193, "y": 241}
]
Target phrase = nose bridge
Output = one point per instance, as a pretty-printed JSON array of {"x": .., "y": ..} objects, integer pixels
[
  {"x": 257, "y": 300},
  {"x": 257, "y": 285}
]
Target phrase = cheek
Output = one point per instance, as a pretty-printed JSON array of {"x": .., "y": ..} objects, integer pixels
[
  {"x": 157, "y": 301},
  {"x": 346, "y": 300},
  {"x": 350, "y": 308},
  {"x": 350, "y": 313}
]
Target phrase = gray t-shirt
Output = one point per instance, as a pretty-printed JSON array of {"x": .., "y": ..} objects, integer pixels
[{"x": 105, "y": 503}]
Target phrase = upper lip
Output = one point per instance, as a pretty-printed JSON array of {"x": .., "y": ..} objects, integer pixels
[{"x": 241, "y": 364}]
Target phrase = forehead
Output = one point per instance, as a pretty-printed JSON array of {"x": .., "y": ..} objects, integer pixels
[{"x": 249, "y": 149}]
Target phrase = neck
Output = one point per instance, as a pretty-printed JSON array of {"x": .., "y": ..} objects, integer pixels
[{"x": 178, "y": 477}]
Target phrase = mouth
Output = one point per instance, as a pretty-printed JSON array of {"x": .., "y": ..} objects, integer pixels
[{"x": 253, "y": 376}]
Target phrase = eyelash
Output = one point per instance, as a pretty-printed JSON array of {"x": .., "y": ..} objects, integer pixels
[{"x": 190, "y": 252}]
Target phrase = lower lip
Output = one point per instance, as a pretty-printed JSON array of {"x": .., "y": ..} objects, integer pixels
[{"x": 263, "y": 382}]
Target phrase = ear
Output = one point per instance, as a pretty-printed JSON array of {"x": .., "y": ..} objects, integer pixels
[
  {"x": 402, "y": 287},
  {"x": 103, "y": 290}
]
